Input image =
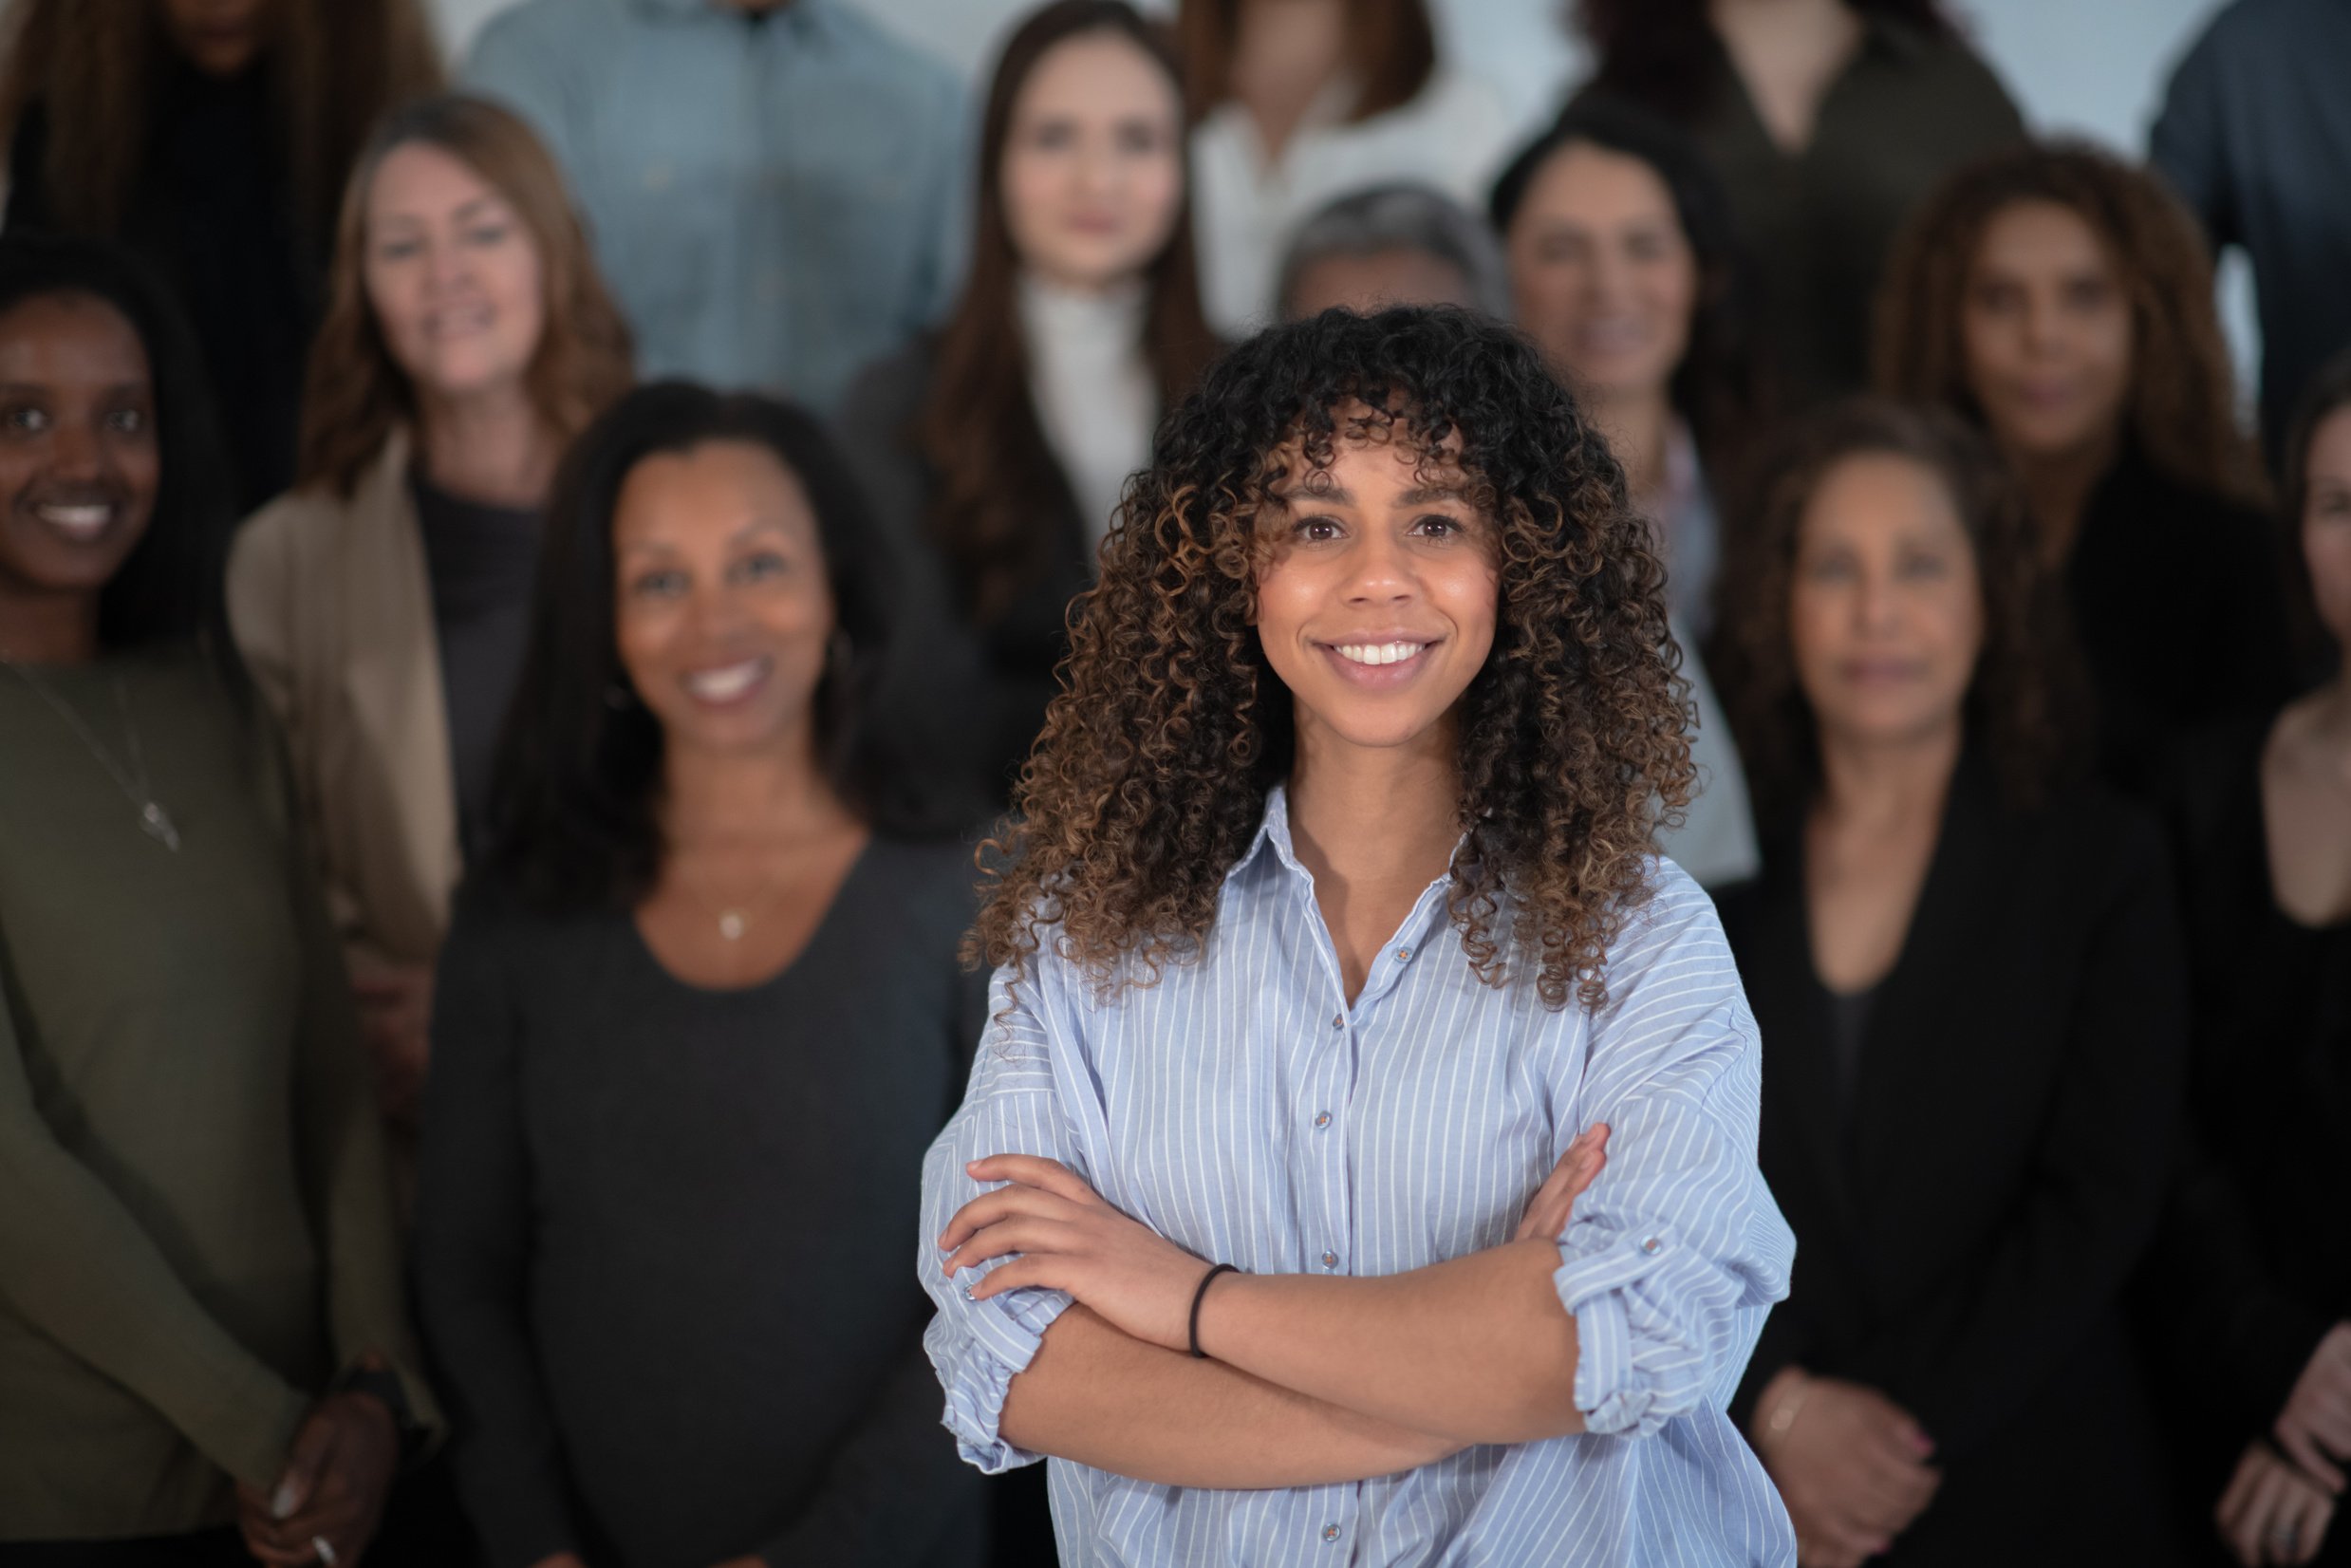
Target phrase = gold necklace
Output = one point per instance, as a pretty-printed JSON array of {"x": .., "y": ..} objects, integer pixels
[
  {"x": 733, "y": 922},
  {"x": 153, "y": 819}
]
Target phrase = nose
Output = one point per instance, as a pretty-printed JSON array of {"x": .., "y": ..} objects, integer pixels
[
  {"x": 1379, "y": 573},
  {"x": 77, "y": 453},
  {"x": 1098, "y": 168},
  {"x": 1878, "y": 607}
]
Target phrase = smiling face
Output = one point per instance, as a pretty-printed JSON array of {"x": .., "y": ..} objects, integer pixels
[
  {"x": 2326, "y": 522},
  {"x": 2046, "y": 332},
  {"x": 218, "y": 37},
  {"x": 723, "y": 611},
  {"x": 1886, "y": 610},
  {"x": 79, "y": 459},
  {"x": 453, "y": 273},
  {"x": 1376, "y": 607},
  {"x": 1093, "y": 162},
  {"x": 1602, "y": 275}
]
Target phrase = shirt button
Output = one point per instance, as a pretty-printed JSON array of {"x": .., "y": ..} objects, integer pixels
[
  {"x": 1339, "y": 1021},
  {"x": 1322, "y": 1120},
  {"x": 1652, "y": 1247},
  {"x": 1329, "y": 1260},
  {"x": 1330, "y": 1532},
  {"x": 1404, "y": 954}
]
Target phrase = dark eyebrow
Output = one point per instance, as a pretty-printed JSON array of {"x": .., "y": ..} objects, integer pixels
[{"x": 1423, "y": 494}]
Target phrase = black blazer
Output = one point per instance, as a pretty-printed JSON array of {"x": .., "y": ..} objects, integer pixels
[
  {"x": 2253, "y": 1264},
  {"x": 1964, "y": 1234},
  {"x": 1000, "y": 674},
  {"x": 2177, "y": 606}
]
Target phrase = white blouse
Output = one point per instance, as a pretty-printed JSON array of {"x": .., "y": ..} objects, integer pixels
[
  {"x": 1244, "y": 208},
  {"x": 1093, "y": 388}
]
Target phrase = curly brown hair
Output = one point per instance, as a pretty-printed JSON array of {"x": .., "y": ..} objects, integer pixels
[
  {"x": 2182, "y": 411},
  {"x": 1151, "y": 777},
  {"x": 2026, "y": 688},
  {"x": 356, "y": 394}
]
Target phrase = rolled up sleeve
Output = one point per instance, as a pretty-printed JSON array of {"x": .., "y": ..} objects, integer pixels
[
  {"x": 1677, "y": 1251},
  {"x": 979, "y": 1347}
]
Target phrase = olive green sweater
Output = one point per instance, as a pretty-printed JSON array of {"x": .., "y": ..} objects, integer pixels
[{"x": 196, "y": 1225}]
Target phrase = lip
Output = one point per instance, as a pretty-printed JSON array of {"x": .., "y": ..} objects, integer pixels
[
  {"x": 720, "y": 688},
  {"x": 1095, "y": 225},
  {"x": 1379, "y": 676},
  {"x": 1880, "y": 672}
]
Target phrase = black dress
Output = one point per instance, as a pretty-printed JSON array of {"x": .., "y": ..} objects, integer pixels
[
  {"x": 212, "y": 211},
  {"x": 2179, "y": 613},
  {"x": 665, "y": 1235},
  {"x": 1965, "y": 1231},
  {"x": 2254, "y": 1262},
  {"x": 996, "y": 679}
]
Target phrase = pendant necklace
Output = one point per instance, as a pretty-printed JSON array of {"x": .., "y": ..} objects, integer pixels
[
  {"x": 153, "y": 819},
  {"x": 733, "y": 922}
]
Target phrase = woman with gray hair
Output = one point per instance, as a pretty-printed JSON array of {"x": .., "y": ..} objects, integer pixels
[{"x": 1394, "y": 244}]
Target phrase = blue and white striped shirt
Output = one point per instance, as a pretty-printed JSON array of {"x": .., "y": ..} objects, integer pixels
[{"x": 1241, "y": 1109}]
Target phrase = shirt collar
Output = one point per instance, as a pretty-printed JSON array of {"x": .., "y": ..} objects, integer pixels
[{"x": 1273, "y": 828}]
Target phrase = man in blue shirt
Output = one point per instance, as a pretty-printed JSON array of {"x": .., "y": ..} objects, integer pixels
[{"x": 771, "y": 184}]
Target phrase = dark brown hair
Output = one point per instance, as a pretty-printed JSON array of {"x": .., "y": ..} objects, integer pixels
[
  {"x": 2025, "y": 689},
  {"x": 334, "y": 66},
  {"x": 357, "y": 393},
  {"x": 2181, "y": 414},
  {"x": 1391, "y": 48},
  {"x": 2327, "y": 394},
  {"x": 1661, "y": 53},
  {"x": 978, "y": 427},
  {"x": 1151, "y": 775}
]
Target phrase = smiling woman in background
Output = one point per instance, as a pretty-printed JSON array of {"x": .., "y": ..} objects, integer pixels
[
  {"x": 214, "y": 138},
  {"x": 2063, "y": 302},
  {"x": 200, "y": 1315},
  {"x": 996, "y": 450},
  {"x": 382, "y": 605},
  {"x": 698, "y": 1013}
]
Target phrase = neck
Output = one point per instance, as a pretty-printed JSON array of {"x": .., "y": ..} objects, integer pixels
[
  {"x": 1285, "y": 52},
  {"x": 1636, "y": 425},
  {"x": 1124, "y": 289},
  {"x": 1780, "y": 19},
  {"x": 1876, "y": 782},
  {"x": 2057, "y": 486},
  {"x": 1360, "y": 817},
  {"x": 47, "y": 629},
  {"x": 2330, "y": 709},
  {"x": 490, "y": 447},
  {"x": 720, "y": 798}
]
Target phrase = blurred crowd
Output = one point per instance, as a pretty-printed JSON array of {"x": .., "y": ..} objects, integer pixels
[{"x": 520, "y": 591}]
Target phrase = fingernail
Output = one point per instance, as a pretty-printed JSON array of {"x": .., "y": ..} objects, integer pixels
[{"x": 282, "y": 1501}]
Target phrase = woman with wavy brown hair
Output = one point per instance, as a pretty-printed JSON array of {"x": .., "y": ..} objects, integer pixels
[
  {"x": 214, "y": 138},
  {"x": 1328, "y": 925},
  {"x": 2062, "y": 301},
  {"x": 382, "y": 604},
  {"x": 1964, "y": 962},
  {"x": 996, "y": 449}
]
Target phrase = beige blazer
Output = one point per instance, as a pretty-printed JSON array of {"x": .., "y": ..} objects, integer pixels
[{"x": 333, "y": 607}]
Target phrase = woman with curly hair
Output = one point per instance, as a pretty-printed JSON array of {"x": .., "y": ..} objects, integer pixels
[
  {"x": 1327, "y": 925},
  {"x": 1963, "y": 962},
  {"x": 2063, "y": 302},
  {"x": 212, "y": 137}
]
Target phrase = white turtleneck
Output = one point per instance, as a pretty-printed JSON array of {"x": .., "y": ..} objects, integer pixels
[{"x": 1093, "y": 388}]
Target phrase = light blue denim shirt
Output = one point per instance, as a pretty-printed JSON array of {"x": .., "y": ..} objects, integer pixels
[
  {"x": 776, "y": 200},
  {"x": 1242, "y": 1108}
]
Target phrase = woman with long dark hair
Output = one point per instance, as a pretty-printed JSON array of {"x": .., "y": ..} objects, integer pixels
[
  {"x": 2060, "y": 301},
  {"x": 1828, "y": 121},
  {"x": 383, "y": 604},
  {"x": 1965, "y": 962},
  {"x": 2252, "y": 1289},
  {"x": 215, "y": 139},
  {"x": 998, "y": 448},
  {"x": 201, "y": 1325},
  {"x": 1330, "y": 921},
  {"x": 707, "y": 962}
]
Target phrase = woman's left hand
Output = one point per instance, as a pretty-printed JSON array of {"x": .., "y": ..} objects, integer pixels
[
  {"x": 2272, "y": 1513},
  {"x": 1061, "y": 1235},
  {"x": 337, "y": 1477}
]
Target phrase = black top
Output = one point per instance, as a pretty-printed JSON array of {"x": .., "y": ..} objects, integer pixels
[
  {"x": 2179, "y": 611},
  {"x": 1964, "y": 1247},
  {"x": 212, "y": 211},
  {"x": 664, "y": 1233},
  {"x": 2256, "y": 1263},
  {"x": 482, "y": 560},
  {"x": 1011, "y": 660}
]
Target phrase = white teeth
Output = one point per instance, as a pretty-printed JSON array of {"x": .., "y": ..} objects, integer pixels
[
  {"x": 1379, "y": 653},
  {"x": 727, "y": 684},
  {"x": 81, "y": 522}
]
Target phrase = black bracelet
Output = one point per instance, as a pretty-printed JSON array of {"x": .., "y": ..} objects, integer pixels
[{"x": 1201, "y": 1295}]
